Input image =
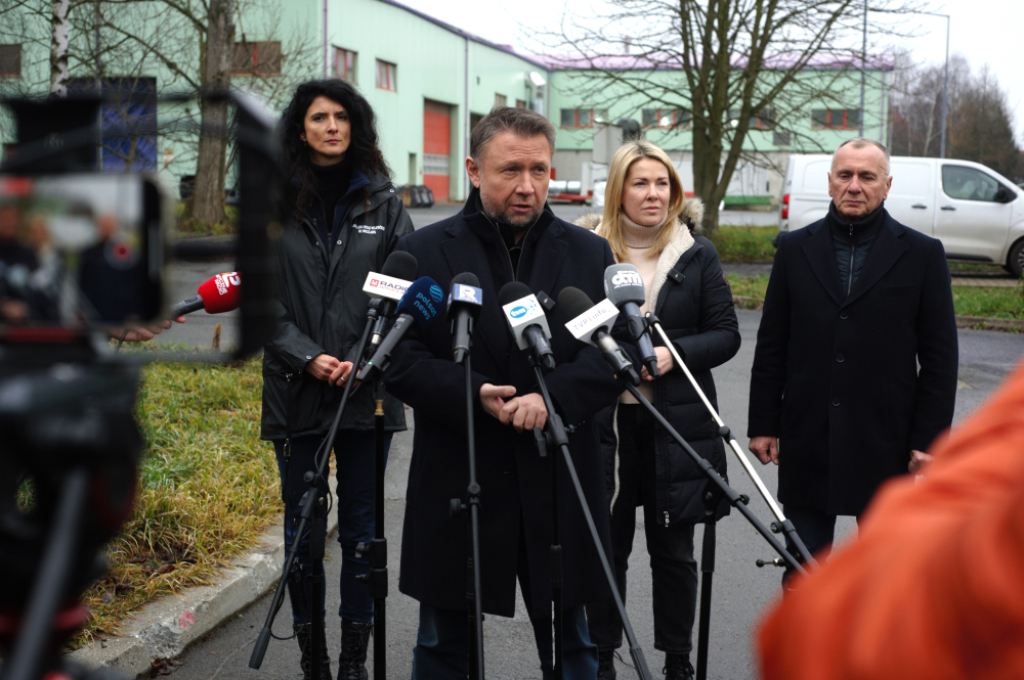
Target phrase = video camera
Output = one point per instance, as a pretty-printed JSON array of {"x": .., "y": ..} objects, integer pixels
[{"x": 84, "y": 255}]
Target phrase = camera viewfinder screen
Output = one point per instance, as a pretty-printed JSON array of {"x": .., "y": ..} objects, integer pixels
[{"x": 75, "y": 250}]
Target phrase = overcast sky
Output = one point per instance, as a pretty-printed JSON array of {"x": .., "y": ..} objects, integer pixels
[{"x": 984, "y": 31}]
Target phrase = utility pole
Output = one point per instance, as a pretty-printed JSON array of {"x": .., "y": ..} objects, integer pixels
[{"x": 863, "y": 70}]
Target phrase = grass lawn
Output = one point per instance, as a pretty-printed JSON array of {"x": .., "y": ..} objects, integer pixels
[
  {"x": 209, "y": 487},
  {"x": 749, "y": 245},
  {"x": 1001, "y": 303}
]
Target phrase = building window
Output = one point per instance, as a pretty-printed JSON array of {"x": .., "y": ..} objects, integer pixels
[
  {"x": 835, "y": 119},
  {"x": 762, "y": 120},
  {"x": 257, "y": 59},
  {"x": 781, "y": 139},
  {"x": 386, "y": 76},
  {"x": 500, "y": 101},
  {"x": 10, "y": 61},
  {"x": 583, "y": 118},
  {"x": 345, "y": 64},
  {"x": 666, "y": 118},
  {"x": 521, "y": 104}
]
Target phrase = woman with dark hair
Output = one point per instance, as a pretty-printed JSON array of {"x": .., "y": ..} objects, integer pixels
[
  {"x": 648, "y": 222},
  {"x": 346, "y": 220}
]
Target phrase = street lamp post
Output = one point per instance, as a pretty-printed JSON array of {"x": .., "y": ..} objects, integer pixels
[
  {"x": 863, "y": 70},
  {"x": 945, "y": 87},
  {"x": 945, "y": 83}
]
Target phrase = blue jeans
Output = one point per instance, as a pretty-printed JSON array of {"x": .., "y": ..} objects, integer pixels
[
  {"x": 353, "y": 452},
  {"x": 442, "y": 639}
]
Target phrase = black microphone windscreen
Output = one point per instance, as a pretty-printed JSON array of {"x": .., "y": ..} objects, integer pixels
[
  {"x": 401, "y": 265},
  {"x": 512, "y": 291},
  {"x": 467, "y": 279},
  {"x": 572, "y": 302}
]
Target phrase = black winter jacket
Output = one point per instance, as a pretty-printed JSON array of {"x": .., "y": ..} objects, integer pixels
[
  {"x": 851, "y": 383},
  {"x": 515, "y": 480},
  {"x": 694, "y": 305},
  {"x": 323, "y": 311}
]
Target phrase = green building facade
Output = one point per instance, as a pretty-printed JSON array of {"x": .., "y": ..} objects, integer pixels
[{"x": 428, "y": 82}]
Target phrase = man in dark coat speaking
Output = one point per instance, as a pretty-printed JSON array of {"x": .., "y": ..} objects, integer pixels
[
  {"x": 505, "y": 232},
  {"x": 855, "y": 303}
]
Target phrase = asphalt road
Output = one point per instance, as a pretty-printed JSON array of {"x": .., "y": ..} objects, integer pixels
[{"x": 742, "y": 592}]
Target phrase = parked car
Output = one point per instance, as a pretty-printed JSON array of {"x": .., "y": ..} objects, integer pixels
[
  {"x": 598, "y": 199},
  {"x": 977, "y": 213}
]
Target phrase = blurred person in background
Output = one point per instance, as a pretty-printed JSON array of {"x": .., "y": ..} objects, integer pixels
[{"x": 932, "y": 586}]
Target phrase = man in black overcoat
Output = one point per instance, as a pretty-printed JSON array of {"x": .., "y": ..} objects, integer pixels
[
  {"x": 505, "y": 232},
  {"x": 855, "y": 303}
]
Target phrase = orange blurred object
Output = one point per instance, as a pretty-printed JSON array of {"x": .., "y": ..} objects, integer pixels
[{"x": 933, "y": 587}]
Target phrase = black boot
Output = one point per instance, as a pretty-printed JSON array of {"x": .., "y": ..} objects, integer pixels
[
  {"x": 606, "y": 664},
  {"x": 355, "y": 637},
  {"x": 677, "y": 667},
  {"x": 303, "y": 633}
]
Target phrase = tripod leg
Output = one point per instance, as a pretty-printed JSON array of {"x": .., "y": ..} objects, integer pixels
[
  {"x": 707, "y": 571},
  {"x": 379, "y": 553},
  {"x": 316, "y": 557},
  {"x": 556, "y": 569}
]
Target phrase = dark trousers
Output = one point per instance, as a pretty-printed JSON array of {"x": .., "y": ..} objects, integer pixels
[
  {"x": 673, "y": 568},
  {"x": 442, "y": 640},
  {"x": 353, "y": 452},
  {"x": 816, "y": 528}
]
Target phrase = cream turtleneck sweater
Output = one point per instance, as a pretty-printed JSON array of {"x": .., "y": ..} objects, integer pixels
[{"x": 639, "y": 239}]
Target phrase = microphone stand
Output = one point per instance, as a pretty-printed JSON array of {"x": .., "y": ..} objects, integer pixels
[
  {"x": 725, "y": 433},
  {"x": 557, "y": 433},
  {"x": 712, "y": 495},
  {"x": 472, "y": 504},
  {"x": 313, "y": 509},
  {"x": 376, "y": 581}
]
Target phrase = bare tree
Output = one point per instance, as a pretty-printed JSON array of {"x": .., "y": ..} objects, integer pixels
[
  {"x": 730, "y": 65},
  {"x": 115, "y": 43},
  {"x": 979, "y": 124}
]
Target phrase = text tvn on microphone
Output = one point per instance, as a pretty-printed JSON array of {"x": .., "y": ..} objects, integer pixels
[{"x": 505, "y": 233}]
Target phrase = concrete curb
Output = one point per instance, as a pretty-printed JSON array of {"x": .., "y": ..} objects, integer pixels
[
  {"x": 990, "y": 324},
  {"x": 165, "y": 628},
  {"x": 984, "y": 322}
]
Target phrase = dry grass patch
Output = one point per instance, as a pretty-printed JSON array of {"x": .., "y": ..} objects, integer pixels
[{"x": 208, "y": 488}]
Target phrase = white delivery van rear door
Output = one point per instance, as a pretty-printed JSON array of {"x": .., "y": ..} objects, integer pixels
[{"x": 911, "y": 199}]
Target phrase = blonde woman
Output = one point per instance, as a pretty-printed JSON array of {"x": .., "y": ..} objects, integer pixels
[{"x": 649, "y": 223}]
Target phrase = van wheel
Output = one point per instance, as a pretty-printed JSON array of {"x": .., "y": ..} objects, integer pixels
[{"x": 1015, "y": 261}]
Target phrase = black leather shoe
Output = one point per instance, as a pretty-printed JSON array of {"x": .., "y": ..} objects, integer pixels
[
  {"x": 677, "y": 667},
  {"x": 303, "y": 633},
  {"x": 355, "y": 638},
  {"x": 606, "y": 665}
]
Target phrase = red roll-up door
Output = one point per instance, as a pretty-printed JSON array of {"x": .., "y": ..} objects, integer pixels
[{"x": 437, "y": 135}]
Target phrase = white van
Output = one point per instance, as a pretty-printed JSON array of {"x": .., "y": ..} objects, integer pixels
[{"x": 977, "y": 213}]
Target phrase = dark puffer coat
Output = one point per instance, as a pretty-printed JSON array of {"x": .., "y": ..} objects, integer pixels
[
  {"x": 323, "y": 311},
  {"x": 694, "y": 304}
]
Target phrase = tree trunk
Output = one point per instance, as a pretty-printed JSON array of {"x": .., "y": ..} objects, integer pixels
[
  {"x": 59, "y": 48},
  {"x": 207, "y": 202}
]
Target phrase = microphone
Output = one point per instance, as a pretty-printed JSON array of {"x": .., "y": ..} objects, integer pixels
[
  {"x": 528, "y": 322},
  {"x": 625, "y": 288},
  {"x": 464, "y": 303},
  {"x": 420, "y": 305},
  {"x": 591, "y": 323},
  {"x": 217, "y": 295},
  {"x": 389, "y": 286}
]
